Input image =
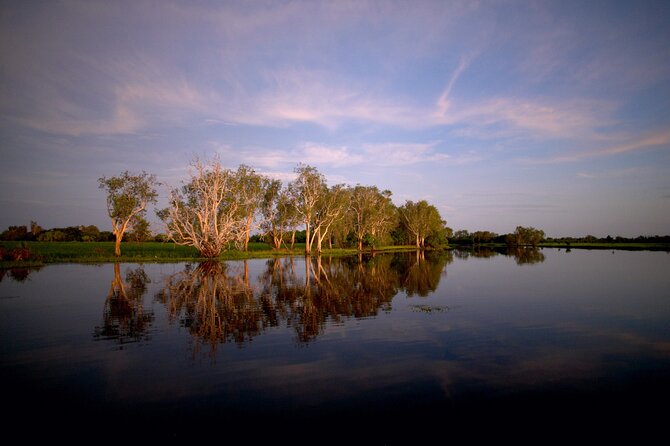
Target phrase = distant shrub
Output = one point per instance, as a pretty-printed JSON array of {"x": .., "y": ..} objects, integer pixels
[{"x": 20, "y": 253}]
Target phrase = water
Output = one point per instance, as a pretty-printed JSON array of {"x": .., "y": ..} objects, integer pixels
[{"x": 375, "y": 348}]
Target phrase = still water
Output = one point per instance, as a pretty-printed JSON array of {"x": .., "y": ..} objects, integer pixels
[{"x": 381, "y": 346}]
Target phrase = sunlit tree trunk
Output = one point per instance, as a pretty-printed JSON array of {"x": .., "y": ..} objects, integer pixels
[
  {"x": 117, "y": 245},
  {"x": 247, "y": 229},
  {"x": 308, "y": 240}
]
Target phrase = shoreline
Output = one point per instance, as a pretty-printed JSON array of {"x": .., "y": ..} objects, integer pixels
[{"x": 48, "y": 253}]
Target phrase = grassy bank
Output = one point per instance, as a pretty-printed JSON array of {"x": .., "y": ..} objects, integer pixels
[
  {"x": 40, "y": 253},
  {"x": 598, "y": 245}
]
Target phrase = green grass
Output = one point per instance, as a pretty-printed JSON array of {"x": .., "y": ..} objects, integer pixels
[
  {"x": 55, "y": 252},
  {"x": 103, "y": 252},
  {"x": 604, "y": 245}
]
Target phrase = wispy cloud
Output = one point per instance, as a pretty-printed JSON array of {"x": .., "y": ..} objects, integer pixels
[
  {"x": 658, "y": 139},
  {"x": 390, "y": 154},
  {"x": 443, "y": 100},
  {"x": 615, "y": 173},
  {"x": 529, "y": 118},
  {"x": 403, "y": 154}
]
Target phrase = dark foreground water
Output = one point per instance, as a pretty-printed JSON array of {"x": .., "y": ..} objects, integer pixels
[{"x": 536, "y": 345}]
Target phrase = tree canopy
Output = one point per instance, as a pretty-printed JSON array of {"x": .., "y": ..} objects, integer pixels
[{"x": 127, "y": 198}]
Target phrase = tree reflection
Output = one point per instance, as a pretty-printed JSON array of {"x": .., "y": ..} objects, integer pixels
[
  {"x": 478, "y": 252},
  {"x": 526, "y": 255},
  {"x": 17, "y": 274},
  {"x": 124, "y": 317},
  {"x": 420, "y": 272},
  {"x": 218, "y": 305},
  {"x": 523, "y": 255},
  {"x": 338, "y": 289},
  {"x": 213, "y": 304}
]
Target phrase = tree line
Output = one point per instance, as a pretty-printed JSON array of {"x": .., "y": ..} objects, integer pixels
[
  {"x": 522, "y": 236},
  {"x": 91, "y": 233},
  {"x": 530, "y": 236},
  {"x": 217, "y": 208}
]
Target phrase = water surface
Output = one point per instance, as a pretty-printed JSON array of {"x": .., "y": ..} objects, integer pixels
[{"x": 393, "y": 344}]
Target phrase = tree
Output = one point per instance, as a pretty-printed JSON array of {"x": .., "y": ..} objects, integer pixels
[
  {"x": 331, "y": 206},
  {"x": 421, "y": 220},
  {"x": 249, "y": 185},
  {"x": 141, "y": 231},
  {"x": 373, "y": 213},
  {"x": 483, "y": 236},
  {"x": 525, "y": 236},
  {"x": 127, "y": 197},
  {"x": 272, "y": 222},
  {"x": 306, "y": 191},
  {"x": 35, "y": 230},
  {"x": 205, "y": 212},
  {"x": 14, "y": 233},
  {"x": 279, "y": 214},
  {"x": 91, "y": 233}
]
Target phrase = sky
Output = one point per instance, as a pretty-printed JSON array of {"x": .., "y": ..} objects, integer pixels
[{"x": 549, "y": 114}]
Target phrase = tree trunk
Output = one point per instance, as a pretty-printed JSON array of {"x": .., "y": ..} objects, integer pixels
[
  {"x": 246, "y": 233},
  {"x": 360, "y": 244},
  {"x": 308, "y": 242},
  {"x": 117, "y": 244},
  {"x": 318, "y": 240}
]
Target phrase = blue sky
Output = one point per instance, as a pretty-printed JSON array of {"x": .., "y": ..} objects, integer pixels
[{"x": 501, "y": 113}]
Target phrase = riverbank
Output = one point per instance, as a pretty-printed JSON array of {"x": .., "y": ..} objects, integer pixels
[
  {"x": 577, "y": 245},
  {"x": 24, "y": 254},
  {"x": 28, "y": 254}
]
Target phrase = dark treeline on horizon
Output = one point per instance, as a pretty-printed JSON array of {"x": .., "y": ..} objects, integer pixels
[
  {"x": 91, "y": 233},
  {"x": 463, "y": 237}
]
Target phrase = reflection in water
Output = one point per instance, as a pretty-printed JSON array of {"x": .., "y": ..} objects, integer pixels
[
  {"x": 18, "y": 274},
  {"x": 421, "y": 276},
  {"x": 523, "y": 255},
  {"x": 218, "y": 305},
  {"x": 551, "y": 343},
  {"x": 124, "y": 317},
  {"x": 214, "y": 305}
]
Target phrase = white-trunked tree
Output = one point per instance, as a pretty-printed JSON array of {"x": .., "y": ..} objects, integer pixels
[{"x": 205, "y": 212}]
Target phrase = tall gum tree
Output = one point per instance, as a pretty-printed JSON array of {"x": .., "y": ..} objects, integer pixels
[
  {"x": 333, "y": 203},
  {"x": 128, "y": 196},
  {"x": 249, "y": 187},
  {"x": 205, "y": 213},
  {"x": 372, "y": 213},
  {"x": 306, "y": 191},
  {"x": 420, "y": 219},
  {"x": 272, "y": 225}
]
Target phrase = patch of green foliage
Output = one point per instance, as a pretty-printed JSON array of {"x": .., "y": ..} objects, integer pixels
[{"x": 55, "y": 252}]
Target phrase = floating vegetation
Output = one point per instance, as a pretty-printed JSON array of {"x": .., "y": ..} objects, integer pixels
[{"x": 430, "y": 308}]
